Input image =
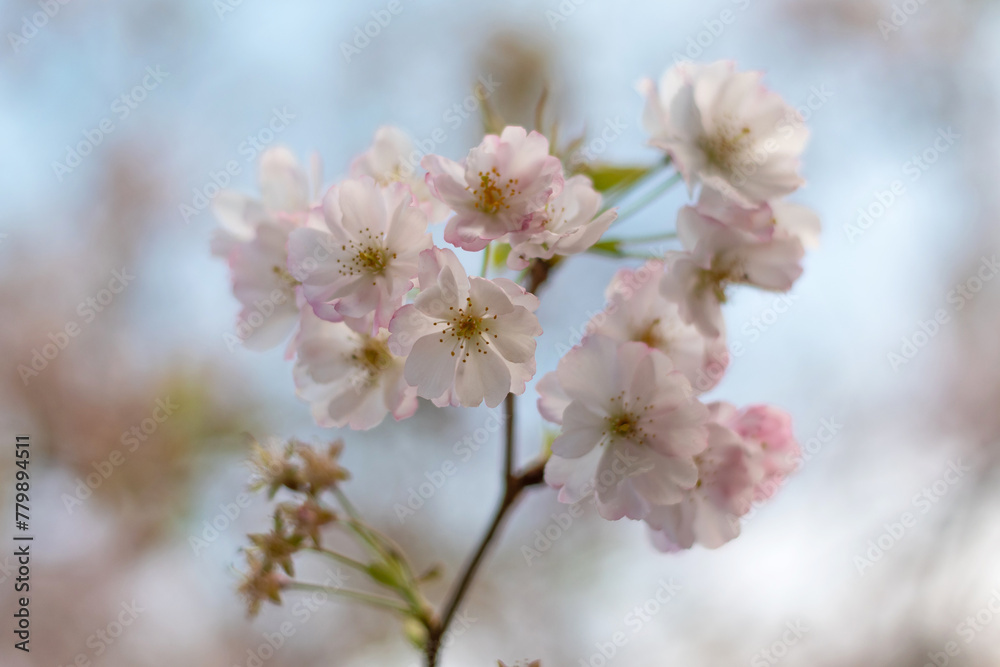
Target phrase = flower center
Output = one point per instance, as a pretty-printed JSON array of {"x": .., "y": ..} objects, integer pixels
[
  {"x": 393, "y": 176},
  {"x": 724, "y": 272},
  {"x": 283, "y": 275},
  {"x": 724, "y": 149},
  {"x": 624, "y": 421},
  {"x": 623, "y": 424},
  {"x": 492, "y": 194},
  {"x": 373, "y": 259},
  {"x": 650, "y": 335},
  {"x": 468, "y": 328},
  {"x": 371, "y": 357},
  {"x": 368, "y": 255}
]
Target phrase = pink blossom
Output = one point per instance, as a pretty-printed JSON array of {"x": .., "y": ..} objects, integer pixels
[
  {"x": 631, "y": 427},
  {"x": 392, "y": 158},
  {"x": 365, "y": 260},
  {"x": 717, "y": 256},
  {"x": 502, "y": 187},
  {"x": 467, "y": 340},
  {"x": 637, "y": 311},
  {"x": 350, "y": 377},
  {"x": 749, "y": 454},
  {"x": 569, "y": 224},
  {"x": 767, "y": 432},
  {"x": 724, "y": 130},
  {"x": 253, "y": 238}
]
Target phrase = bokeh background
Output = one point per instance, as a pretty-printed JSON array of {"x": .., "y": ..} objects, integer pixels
[{"x": 879, "y": 432}]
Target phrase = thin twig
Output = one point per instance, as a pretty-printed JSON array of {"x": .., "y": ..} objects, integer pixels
[
  {"x": 367, "y": 598},
  {"x": 532, "y": 476},
  {"x": 648, "y": 198},
  {"x": 340, "y": 558},
  {"x": 513, "y": 485},
  {"x": 508, "y": 458}
]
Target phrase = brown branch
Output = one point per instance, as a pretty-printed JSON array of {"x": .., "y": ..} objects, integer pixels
[{"x": 513, "y": 486}]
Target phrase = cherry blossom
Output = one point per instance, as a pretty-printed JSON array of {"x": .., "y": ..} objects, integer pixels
[
  {"x": 393, "y": 158},
  {"x": 502, "y": 187},
  {"x": 365, "y": 260},
  {"x": 570, "y": 223},
  {"x": 637, "y": 311},
  {"x": 253, "y": 238},
  {"x": 718, "y": 256},
  {"x": 724, "y": 130},
  {"x": 349, "y": 377},
  {"x": 264, "y": 287},
  {"x": 709, "y": 513},
  {"x": 767, "y": 433},
  {"x": 467, "y": 340},
  {"x": 631, "y": 427},
  {"x": 749, "y": 454},
  {"x": 777, "y": 217},
  {"x": 285, "y": 195}
]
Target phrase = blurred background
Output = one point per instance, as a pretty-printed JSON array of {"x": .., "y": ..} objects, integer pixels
[{"x": 886, "y": 353}]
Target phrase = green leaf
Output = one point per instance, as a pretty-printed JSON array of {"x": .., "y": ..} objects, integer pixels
[
  {"x": 607, "y": 177},
  {"x": 610, "y": 247},
  {"x": 498, "y": 255},
  {"x": 385, "y": 575},
  {"x": 415, "y": 632}
]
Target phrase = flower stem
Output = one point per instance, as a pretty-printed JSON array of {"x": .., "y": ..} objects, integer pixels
[
  {"x": 486, "y": 261},
  {"x": 615, "y": 194},
  {"x": 340, "y": 558},
  {"x": 652, "y": 238},
  {"x": 648, "y": 198},
  {"x": 358, "y": 596},
  {"x": 513, "y": 485}
]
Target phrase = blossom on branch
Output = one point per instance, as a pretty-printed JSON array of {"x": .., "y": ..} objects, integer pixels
[
  {"x": 724, "y": 130},
  {"x": 365, "y": 260},
  {"x": 466, "y": 340},
  {"x": 502, "y": 187},
  {"x": 631, "y": 426},
  {"x": 570, "y": 223},
  {"x": 349, "y": 377},
  {"x": 717, "y": 256},
  {"x": 393, "y": 158}
]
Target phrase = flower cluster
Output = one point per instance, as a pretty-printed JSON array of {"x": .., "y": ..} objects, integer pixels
[
  {"x": 641, "y": 440},
  {"x": 344, "y": 269},
  {"x": 309, "y": 474},
  {"x": 383, "y": 317}
]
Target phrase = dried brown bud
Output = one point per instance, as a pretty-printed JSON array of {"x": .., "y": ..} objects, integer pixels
[
  {"x": 278, "y": 546},
  {"x": 273, "y": 468},
  {"x": 261, "y": 582},
  {"x": 321, "y": 471},
  {"x": 307, "y": 518}
]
